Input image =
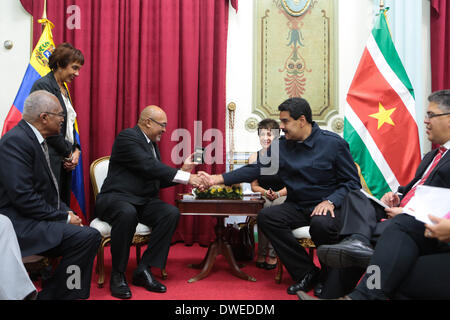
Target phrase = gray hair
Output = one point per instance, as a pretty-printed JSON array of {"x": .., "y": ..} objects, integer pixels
[
  {"x": 38, "y": 102},
  {"x": 442, "y": 99}
]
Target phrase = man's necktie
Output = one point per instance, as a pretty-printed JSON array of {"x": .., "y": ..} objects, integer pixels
[
  {"x": 411, "y": 192},
  {"x": 153, "y": 150},
  {"x": 47, "y": 157}
]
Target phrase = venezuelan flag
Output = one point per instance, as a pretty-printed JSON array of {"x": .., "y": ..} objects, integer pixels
[
  {"x": 77, "y": 200},
  {"x": 38, "y": 68}
]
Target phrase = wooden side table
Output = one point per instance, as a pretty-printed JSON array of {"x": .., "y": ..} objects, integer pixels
[{"x": 220, "y": 209}]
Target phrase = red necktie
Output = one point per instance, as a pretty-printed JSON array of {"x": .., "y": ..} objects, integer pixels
[{"x": 411, "y": 192}]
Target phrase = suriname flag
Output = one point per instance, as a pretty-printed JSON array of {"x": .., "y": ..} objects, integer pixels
[{"x": 380, "y": 120}]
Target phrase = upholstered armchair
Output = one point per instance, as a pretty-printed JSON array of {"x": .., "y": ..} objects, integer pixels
[{"x": 98, "y": 172}]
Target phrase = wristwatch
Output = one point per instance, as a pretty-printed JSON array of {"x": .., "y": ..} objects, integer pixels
[{"x": 331, "y": 202}]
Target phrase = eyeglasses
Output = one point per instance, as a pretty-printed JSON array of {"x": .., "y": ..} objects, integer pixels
[
  {"x": 61, "y": 114},
  {"x": 430, "y": 115},
  {"x": 163, "y": 125}
]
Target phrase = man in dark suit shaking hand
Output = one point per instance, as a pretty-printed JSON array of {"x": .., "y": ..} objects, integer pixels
[
  {"x": 29, "y": 197},
  {"x": 129, "y": 195}
]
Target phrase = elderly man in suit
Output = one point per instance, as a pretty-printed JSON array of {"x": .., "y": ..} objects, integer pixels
[
  {"x": 29, "y": 197},
  {"x": 129, "y": 195},
  {"x": 364, "y": 221}
]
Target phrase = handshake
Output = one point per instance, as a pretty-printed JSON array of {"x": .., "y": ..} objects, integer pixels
[
  {"x": 203, "y": 180},
  {"x": 200, "y": 180}
]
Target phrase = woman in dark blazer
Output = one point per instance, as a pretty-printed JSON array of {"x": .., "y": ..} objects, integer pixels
[{"x": 65, "y": 64}]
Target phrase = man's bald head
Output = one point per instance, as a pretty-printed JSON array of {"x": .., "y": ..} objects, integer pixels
[
  {"x": 151, "y": 112},
  {"x": 153, "y": 121}
]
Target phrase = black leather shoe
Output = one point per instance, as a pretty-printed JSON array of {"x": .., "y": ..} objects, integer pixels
[
  {"x": 306, "y": 284},
  {"x": 304, "y": 296},
  {"x": 318, "y": 289},
  {"x": 119, "y": 286},
  {"x": 349, "y": 252},
  {"x": 261, "y": 265},
  {"x": 145, "y": 279},
  {"x": 270, "y": 266}
]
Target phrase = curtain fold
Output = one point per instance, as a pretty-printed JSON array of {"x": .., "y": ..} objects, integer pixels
[
  {"x": 169, "y": 53},
  {"x": 440, "y": 46},
  {"x": 440, "y": 42}
]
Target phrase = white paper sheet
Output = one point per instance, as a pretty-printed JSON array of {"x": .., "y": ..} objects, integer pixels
[
  {"x": 368, "y": 195},
  {"x": 429, "y": 200}
]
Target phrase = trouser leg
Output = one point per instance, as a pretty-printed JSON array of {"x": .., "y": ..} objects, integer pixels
[
  {"x": 15, "y": 284},
  {"x": 123, "y": 227},
  {"x": 163, "y": 219},
  {"x": 359, "y": 215},
  {"x": 72, "y": 276},
  {"x": 396, "y": 252},
  {"x": 277, "y": 223}
]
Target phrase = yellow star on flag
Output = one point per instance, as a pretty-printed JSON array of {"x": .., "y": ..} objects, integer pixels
[{"x": 383, "y": 116}]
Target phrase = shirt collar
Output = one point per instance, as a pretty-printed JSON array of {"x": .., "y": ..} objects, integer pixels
[
  {"x": 36, "y": 132},
  {"x": 447, "y": 145},
  {"x": 146, "y": 138},
  {"x": 309, "y": 142}
]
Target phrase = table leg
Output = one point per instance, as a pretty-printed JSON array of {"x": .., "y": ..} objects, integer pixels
[
  {"x": 207, "y": 263},
  {"x": 219, "y": 246}
]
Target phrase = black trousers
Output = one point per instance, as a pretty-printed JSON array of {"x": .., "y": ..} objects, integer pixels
[
  {"x": 277, "y": 223},
  {"x": 78, "y": 249},
  {"x": 362, "y": 216},
  {"x": 123, "y": 216},
  {"x": 359, "y": 215},
  {"x": 411, "y": 266}
]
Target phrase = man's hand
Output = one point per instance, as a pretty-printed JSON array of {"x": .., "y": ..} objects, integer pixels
[
  {"x": 391, "y": 199},
  {"x": 322, "y": 208},
  {"x": 197, "y": 181},
  {"x": 270, "y": 194},
  {"x": 71, "y": 162},
  {"x": 392, "y": 212},
  {"x": 210, "y": 180},
  {"x": 74, "y": 219},
  {"x": 440, "y": 229},
  {"x": 189, "y": 164}
]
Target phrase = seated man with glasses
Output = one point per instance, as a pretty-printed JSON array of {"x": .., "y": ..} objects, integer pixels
[
  {"x": 363, "y": 221},
  {"x": 130, "y": 194},
  {"x": 30, "y": 197}
]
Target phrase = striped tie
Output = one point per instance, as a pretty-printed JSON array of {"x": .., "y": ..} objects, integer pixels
[{"x": 411, "y": 192}]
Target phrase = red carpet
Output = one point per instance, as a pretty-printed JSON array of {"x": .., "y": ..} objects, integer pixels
[{"x": 219, "y": 285}]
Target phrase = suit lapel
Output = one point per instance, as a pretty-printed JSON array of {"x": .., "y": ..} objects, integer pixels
[
  {"x": 38, "y": 149},
  {"x": 143, "y": 139}
]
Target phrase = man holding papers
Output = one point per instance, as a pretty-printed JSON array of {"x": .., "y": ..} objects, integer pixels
[{"x": 365, "y": 220}]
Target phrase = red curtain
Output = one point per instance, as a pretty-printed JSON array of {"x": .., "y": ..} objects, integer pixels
[
  {"x": 140, "y": 52},
  {"x": 440, "y": 46}
]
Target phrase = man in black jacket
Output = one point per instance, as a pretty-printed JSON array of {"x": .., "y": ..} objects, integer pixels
[
  {"x": 29, "y": 197},
  {"x": 130, "y": 195},
  {"x": 318, "y": 170}
]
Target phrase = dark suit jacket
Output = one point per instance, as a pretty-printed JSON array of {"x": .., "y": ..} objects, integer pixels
[
  {"x": 134, "y": 174},
  {"x": 27, "y": 192},
  {"x": 439, "y": 177},
  {"x": 49, "y": 84}
]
